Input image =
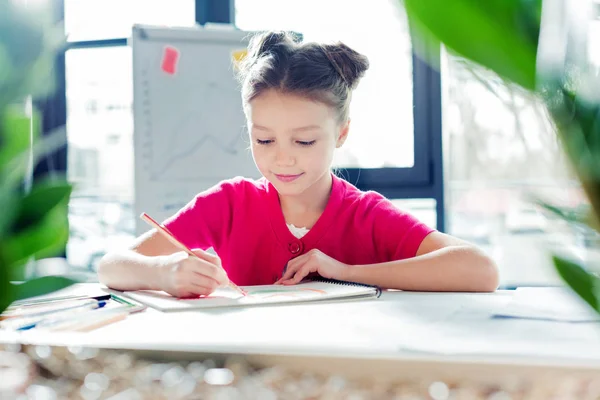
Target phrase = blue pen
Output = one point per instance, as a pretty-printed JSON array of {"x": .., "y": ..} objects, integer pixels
[{"x": 53, "y": 321}]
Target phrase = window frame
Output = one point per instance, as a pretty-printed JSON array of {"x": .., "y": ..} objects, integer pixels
[{"x": 423, "y": 180}]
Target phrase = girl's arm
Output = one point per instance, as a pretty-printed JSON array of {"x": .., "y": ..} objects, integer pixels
[
  {"x": 442, "y": 263},
  {"x": 137, "y": 268},
  {"x": 154, "y": 263}
]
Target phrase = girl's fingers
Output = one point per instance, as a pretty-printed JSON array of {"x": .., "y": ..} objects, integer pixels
[
  {"x": 292, "y": 267},
  {"x": 202, "y": 289},
  {"x": 300, "y": 274},
  {"x": 177, "y": 258},
  {"x": 208, "y": 257},
  {"x": 289, "y": 273},
  {"x": 200, "y": 279},
  {"x": 210, "y": 270}
]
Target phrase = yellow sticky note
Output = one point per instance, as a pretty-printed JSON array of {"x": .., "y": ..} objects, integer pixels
[{"x": 238, "y": 55}]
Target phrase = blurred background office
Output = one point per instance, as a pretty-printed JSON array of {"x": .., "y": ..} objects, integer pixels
[{"x": 454, "y": 145}]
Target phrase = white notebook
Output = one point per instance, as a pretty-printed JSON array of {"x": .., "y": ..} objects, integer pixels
[{"x": 311, "y": 291}]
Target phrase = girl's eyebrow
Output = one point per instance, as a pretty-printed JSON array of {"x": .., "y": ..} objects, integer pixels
[
  {"x": 299, "y": 129},
  {"x": 260, "y": 127},
  {"x": 306, "y": 128}
]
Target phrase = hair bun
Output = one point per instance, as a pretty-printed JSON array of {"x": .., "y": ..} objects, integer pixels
[
  {"x": 277, "y": 44},
  {"x": 269, "y": 42},
  {"x": 350, "y": 64}
]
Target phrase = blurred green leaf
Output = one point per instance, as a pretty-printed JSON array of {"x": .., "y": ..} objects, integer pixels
[
  {"x": 47, "y": 239},
  {"x": 40, "y": 286},
  {"x": 42, "y": 199},
  {"x": 6, "y": 292},
  {"x": 578, "y": 128},
  {"x": 44, "y": 145},
  {"x": 43, "y": 232},
  {"x": 582, "y": 282},
  {"x": 6, "y": 74},
  {"x": 16, "y": 130},
  {"x": 580, "y": 215},
  {"x": 8, "y": 205},
  {"x": 579, "y": 123},
  {"x": 501, "y": 35}
]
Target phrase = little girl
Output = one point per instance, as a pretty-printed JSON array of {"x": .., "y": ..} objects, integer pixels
[{"x": 299, "y": 219}]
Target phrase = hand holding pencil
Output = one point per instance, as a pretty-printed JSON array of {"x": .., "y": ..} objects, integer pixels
[{"x": 191, "y": 272}]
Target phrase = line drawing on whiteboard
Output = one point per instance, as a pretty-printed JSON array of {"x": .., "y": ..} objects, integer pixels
[
  {"x": 219, "y": 150},
  {"x": 222, "y": 146},
  {"x": 172, "y": 155},
  {"x": 216, "y": 159}
]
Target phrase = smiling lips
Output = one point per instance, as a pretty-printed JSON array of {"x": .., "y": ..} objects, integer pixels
[{"x": 288, "y": 178}]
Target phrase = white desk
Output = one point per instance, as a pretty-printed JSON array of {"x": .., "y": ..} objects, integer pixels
[{"x": 421, "y": 327}]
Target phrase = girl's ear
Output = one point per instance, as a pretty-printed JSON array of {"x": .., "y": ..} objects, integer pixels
[{"x": 345, "y": 128}]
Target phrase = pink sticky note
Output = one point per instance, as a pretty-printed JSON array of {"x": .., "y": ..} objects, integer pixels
[{"x": 169, "y": 60}]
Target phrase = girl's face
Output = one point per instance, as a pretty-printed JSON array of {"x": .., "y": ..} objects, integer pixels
[{"x": 293, "y": 140}]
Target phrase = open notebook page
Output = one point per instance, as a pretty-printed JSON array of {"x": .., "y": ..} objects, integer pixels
[{"x": 257, "y": 295}]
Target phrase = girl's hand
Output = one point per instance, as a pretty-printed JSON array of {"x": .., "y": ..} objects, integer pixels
[
  {"x": 185, "y": 276},
  {"x": 312, "y": 262}
]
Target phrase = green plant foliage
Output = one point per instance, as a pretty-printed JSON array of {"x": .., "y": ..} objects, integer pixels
[{"x": 33, "y": 224}]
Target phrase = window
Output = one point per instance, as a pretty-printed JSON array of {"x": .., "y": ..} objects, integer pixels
[
  {"x": 100, "y": 158},
  {"x": 99, "y": 118},
  {"x": 499, "y": 149},
  {"x": 108, "y": 19},
  {"x": 99, "y": 99},
  {"x": 423, "y": 209}
]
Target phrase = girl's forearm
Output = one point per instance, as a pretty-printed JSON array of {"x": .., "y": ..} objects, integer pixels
[
  {"x": 129, "y": 270},
  {"x": 452, "y": 269}
]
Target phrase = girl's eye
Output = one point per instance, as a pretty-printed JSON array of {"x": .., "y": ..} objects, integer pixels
[
  {"x": 258, "y": 141},
  {"x": 310, "y": 143}
]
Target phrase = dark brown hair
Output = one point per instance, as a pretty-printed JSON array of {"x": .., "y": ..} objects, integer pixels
[{"x": 322, "y": 72}]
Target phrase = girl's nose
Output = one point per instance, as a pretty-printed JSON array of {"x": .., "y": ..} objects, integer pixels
[{"x": 284, "y": 157}]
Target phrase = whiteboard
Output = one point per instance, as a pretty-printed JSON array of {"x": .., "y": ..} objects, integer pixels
[{"x": 189, "y": 126}]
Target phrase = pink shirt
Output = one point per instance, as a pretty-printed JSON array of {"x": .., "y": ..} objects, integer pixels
[{"x": 242, "y": 220}]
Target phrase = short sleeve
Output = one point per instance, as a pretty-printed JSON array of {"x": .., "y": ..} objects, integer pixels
[
  {"x": 397, "y": 234},
  {"x": 204, "y": 222}
]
